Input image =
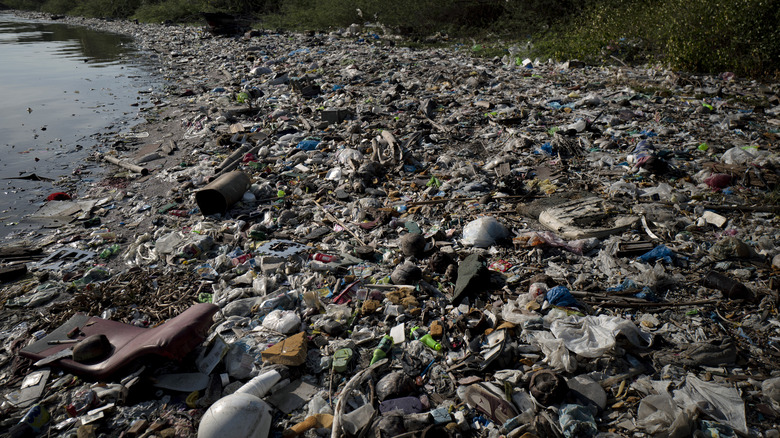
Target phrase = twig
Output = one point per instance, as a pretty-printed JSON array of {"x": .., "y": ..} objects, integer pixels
[
  {"x": 650, "y": 304},
  {"x": 442, "y": 201},
  {"x": 335, "y": 219},
  {"x": 618, "y": 60}
]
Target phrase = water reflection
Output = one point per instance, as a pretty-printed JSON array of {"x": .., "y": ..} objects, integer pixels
[
  {"x": 97, "y": 47},
  {"x": 61, "y": 85}
]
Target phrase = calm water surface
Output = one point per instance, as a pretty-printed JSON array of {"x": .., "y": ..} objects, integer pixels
[{"x": 59, "y": 86}]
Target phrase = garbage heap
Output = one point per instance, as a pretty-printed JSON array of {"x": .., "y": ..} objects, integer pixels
[{"x": 332, "y": 234}]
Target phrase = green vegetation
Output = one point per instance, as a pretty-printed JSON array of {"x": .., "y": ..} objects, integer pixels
[
  {"x": 741, "y": 36},
  {"x": 712, "y": 36}
]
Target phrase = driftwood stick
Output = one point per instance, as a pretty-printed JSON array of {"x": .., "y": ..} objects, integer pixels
[
  {"x": 129, "y": 166},
  {"x": 650, "y": 304},
  {"x": 335, "y": 219}
]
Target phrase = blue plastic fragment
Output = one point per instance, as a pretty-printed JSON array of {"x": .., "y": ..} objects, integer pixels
[
  {"x": 560, "y": 296},
  {"x": 441, "y": 416},
  {"x": 627, "y": 284},
  {"x": 660, "y": 252},
  {"x": 308, "y": 144},
  {"x": 577, "y": 421}
]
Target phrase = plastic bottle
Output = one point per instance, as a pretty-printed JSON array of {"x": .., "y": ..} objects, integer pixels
[
  {"x": 425, "y": 338},
  {"x": 105, "y": 236},
  {"x": 37, "y": 418},
  {"x": 259, "y": 385},
  {"x": 324, "y": 258},
  {"x": 108, "y": 252},
  {"x": 240, "y": 259},
  {"x": 91, "y": 276},
  {"x": 241, "y": 414},
  {"x": 382, "y": 350}
]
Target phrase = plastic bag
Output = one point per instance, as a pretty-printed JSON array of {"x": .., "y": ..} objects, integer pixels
[
  {"x": 169, "y": 243},
  {"x": 577, "y": 421},
  {"x": 282, "y": 321},
  {"x": 737, "y": 155},
  {"x": 771, "y": 389},
  {"x": 720, "y": 403},
  {"x": 561, "y": 297},
  {"x": 663, "y": 191},
  {"x": 483, "y": 232},
  {"x": 592, "y": 336},
  {"x": 555, "y": 353},
  {"x": 660, "y": 252},
  {"x": 622, "y": 188},
  {"x": 516, "y": 313},
  {"x": 338, "y": 313},
  {"x": 658, "y": 414},
  {"x": 238, "y": 363}
]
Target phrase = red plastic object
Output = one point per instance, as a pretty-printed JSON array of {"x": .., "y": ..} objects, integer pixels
[
  {"x": 59, "y": 196},
  {"x": 173, "y": 339}
]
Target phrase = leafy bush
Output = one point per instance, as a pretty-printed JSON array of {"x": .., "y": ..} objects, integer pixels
[
  {"x": 109, "y": 9},
  {"x": 694, "y": 35},
  {"x": 59, "y": 6},
  {"x": 180, "y": 11}
]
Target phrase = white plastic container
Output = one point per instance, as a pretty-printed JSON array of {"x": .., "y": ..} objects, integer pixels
[
  {"x": 241, "y": 414},
  {"x": 260, "y": 385},
  {"x": 238, "y": 415}
]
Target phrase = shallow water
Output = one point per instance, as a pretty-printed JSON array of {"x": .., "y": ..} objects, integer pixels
[{"x": 59, "y": 86}]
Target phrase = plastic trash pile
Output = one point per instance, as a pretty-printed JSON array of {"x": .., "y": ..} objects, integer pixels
[{"x": 335, "y": 235}]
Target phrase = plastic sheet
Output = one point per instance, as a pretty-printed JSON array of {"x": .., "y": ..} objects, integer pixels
[
  {"x": 555, "y": 352},
  {"x": 483, "y": 232},
  {"x": 577, "y": 421},
  {"x": 282, "y": 321},
  {"x": 723, "y": 404},
  {"x": 592, "y": 336}
]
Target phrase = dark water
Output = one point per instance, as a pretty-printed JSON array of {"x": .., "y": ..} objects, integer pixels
[{"x": 59, "y": 86}]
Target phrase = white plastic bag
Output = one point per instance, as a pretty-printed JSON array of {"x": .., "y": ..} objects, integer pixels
[
  {"x": 555, "y": 353},
  {"x": 483, "y": 232},
  {"x": 282, "y": 321},
  {"x": 723, "y": 404},
  {"x": 592, "y": 336},
  {"x": 516, "y": 313},
  {"x": 771, "y": 389},
  {"x": 169, "y": 243}
]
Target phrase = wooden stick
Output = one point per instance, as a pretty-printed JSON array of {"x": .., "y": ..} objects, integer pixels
[
  {"x": 334, "y": 219},
  {"x": 442, "y": 201},
  {"x": 132, "y": 167},
  {"x": 650, "y": 304}
]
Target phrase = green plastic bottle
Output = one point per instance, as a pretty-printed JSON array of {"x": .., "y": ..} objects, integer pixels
[
  {"x": 108, "y": 252},
  {"x": 425, "y": 338},
  {"x": 383, "y": 349}
]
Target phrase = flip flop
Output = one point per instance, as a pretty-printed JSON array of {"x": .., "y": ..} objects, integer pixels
[{"x": 487, "y": 400}]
